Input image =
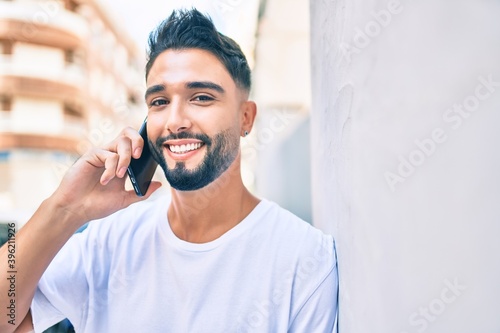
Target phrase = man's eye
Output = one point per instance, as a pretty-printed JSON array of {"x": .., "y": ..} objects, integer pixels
[
  {"x": 158, "y": 102},
  {"x": 203, "y": 98}
]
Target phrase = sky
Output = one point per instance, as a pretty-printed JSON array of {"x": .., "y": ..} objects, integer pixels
[{"x": 235, "y": 18}]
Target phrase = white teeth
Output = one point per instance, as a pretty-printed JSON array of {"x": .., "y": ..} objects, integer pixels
[{"x": 185, "y": 148}]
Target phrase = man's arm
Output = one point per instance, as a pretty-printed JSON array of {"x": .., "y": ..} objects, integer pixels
[
  {"x": 91, "y": 189},
  {"x": 319, "y": 313},
  {"x": 26, "y": 325}
]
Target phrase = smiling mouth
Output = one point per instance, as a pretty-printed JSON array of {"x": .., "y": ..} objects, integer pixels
[{"x": 181, "y": 149}]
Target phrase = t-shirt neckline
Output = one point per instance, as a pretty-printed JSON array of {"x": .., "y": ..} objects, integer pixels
[{"x": 252, "y": 218}]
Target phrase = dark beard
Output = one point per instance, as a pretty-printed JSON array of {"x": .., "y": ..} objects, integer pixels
[{"x": 220, "y": 153}]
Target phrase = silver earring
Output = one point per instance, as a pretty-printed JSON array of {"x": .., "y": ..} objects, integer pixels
[{"x": 246, "y": 133}]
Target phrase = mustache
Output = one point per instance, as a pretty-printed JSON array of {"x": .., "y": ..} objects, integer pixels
[{"x": 184, "y": 135}]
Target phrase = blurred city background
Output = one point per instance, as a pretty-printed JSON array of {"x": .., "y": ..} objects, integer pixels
[{"x": 71, "y": 77}]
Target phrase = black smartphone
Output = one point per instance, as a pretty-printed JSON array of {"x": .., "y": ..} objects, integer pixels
[{"x": 141, "y": 170}]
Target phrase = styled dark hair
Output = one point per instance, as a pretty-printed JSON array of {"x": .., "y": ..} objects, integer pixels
[{"x": 186, "y": 29}]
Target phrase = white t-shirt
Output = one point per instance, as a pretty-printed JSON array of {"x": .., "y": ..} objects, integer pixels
[{"x": 129, "y": 273}]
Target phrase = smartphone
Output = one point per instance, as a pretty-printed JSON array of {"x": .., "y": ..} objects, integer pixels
[{"x": 141, "y": 170}]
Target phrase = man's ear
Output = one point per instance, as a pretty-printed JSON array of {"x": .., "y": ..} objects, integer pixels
[{"x": 248, "y": 113}]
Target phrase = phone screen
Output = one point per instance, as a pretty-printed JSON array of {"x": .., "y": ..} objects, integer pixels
[{"x": 141, "y": 170}]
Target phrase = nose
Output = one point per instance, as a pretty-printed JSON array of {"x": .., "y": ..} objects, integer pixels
[{"x": 178, "y": 120}]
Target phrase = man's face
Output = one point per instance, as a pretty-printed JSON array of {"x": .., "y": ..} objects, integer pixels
[{"x": 194, "y": 119}]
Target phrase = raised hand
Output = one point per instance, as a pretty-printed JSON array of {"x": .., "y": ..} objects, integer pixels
[{"x": 94, "y": 186}]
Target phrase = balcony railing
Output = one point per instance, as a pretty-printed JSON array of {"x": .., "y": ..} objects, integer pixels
[
  {"x": 50, "y": 13},
  {"x": 73, "y": 74},
  {"x": 70, "y": 127}
]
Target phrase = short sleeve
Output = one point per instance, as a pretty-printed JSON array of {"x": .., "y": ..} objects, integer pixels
[
  {"x": 62, "y": 291},
  {"x": 319, "y": 312}
]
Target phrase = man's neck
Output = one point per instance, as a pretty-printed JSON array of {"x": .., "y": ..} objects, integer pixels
[{"x": 204, "y": 215}]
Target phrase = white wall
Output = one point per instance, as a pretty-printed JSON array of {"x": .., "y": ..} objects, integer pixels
[{"x": 405, "y": 165}]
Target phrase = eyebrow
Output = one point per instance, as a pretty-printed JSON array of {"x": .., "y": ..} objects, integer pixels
[
  {"x": 205, "y": 85},
  {"x": 154, "y": 89},
  {"x": 190, "y": 85}
]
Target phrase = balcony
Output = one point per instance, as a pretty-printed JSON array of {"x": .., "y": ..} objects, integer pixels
[
  {"x": 60, "y": 133},
  {"x": 38, "y": 141},
  {"x": 68, "y": 82},
  {"x": 42, "y": 22}
]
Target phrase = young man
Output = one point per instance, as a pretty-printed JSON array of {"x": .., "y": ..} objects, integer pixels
[{"x": 213, "y": 259}]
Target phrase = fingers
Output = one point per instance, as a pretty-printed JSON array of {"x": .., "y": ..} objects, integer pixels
[
  {"x": 100, "y": 158},
  {"x": 127, "y": 145},
  {"x": 124, "y": 151},
  {"x": 110, "y": 163},
  {"x": 128, "y": 137},
  {"x": 136, "y": 141},
  {"x": 95, "y": 186}
]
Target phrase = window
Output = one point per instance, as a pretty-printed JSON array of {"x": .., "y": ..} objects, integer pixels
[
  {"x": 5, "y": 103},
  {"x": 69, "y": 56},
  {"x": 74, "y": 57},
  {"x": 71, "y": 5},
  {"x": 132, "y": 99},
  {"x": 5, "y": 175},
  {"x": 6, "y": 47},
  {"x": 73, "y": 110}
]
